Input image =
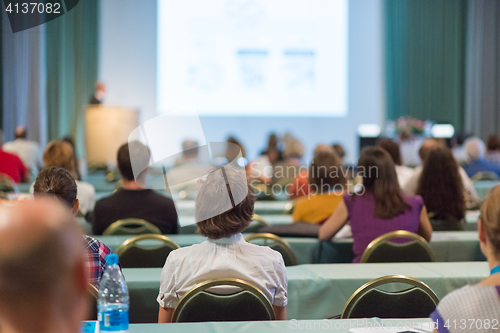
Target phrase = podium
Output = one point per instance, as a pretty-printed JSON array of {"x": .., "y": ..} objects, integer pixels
[{"x": 106, "y": 129}]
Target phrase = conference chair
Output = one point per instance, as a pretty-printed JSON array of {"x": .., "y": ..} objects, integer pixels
[
  {"x": 92, "y": 310},
  {"x": 230, "y": 300},
  {"x": 131, "y": 254},
  {"x": 418, "y": 301},
  {"x": 257, "y": 223},
  {"x": 384, "y": 249},
  {"x": 276, "y": 243},
  {"x": 485, "y": 175},
  {"x": 7, "y": 186},
  {"x": 131, "y": 226}
]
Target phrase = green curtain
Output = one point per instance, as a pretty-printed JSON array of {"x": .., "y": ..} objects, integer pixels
[
  {"x": 72, "y": 66},
  {"x": 425, "y": 44}
]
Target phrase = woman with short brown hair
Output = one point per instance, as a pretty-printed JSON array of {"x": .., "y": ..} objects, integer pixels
[{"x": 224, "y": 207}]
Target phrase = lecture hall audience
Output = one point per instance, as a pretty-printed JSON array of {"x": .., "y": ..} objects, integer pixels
[
  {"x": 480, "y": 302},
  {"x": 59, "y": 183},
  {"x": 380, "y": 208},
  {"x": 225, "y": 254},
  {"x": 28, "y": 151},
  {"x": 476, "y": 161},
  {"x": 327, "y": 183},
  {"x": 60, "y": 153},
  {"x": 43, "y": 273},
  {"x": 134, "y": 199},
  {"x": 440, "y": 185}
]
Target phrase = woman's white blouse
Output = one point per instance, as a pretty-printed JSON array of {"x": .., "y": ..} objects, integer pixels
[{"x": 229, "y": 257}]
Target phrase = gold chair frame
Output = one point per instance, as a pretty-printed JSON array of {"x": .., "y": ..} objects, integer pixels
[
  {"x": 223, "y": 282},
  {"x": 361, "y": 291},
  {"x": 276, "y": 239},
  {"x": 258, "y": 218},
  {"x": 131, "y": 242},
  {"x": 131, "y": 221},
  {"x": 374, "y": 244}
]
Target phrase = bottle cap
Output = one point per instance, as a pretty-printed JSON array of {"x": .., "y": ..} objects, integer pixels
[{"x": 112, "y": 259}]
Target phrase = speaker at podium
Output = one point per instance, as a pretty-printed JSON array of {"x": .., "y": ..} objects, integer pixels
[{"x": 106, "y": 129}]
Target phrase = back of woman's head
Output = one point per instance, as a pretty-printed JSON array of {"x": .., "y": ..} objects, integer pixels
[
  {"x": 378, "y": 171},
  {"x": 325, "y": 172},
  {"x": 60, "y": 153},
  {"x": 58, "y": 182},
  {"x": 493, "y": 143},
  {"x": 441, "y": 187},
  {"x": 211, "y": 204},
  {"x": 490, "y": 217}
]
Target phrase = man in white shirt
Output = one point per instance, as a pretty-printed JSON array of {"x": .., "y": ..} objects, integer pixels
[
  {"x": 225, "y": 254},
  {"x": 412, "y": 184},
  {"x": 28, "y": 151}
]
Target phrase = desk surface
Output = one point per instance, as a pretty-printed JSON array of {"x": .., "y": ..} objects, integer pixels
[{"x": 336, "y": 326}]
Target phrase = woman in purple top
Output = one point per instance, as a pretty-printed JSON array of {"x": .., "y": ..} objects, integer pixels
[{"x": 380, "y": 207}]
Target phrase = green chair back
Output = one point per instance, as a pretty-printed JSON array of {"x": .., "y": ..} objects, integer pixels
[
  {"x": 134, "y": 255},
  {"x": 276, "y": 243},
  {"x": 418, "y": 301},
  {"x": 248, "y": 303},
  {"x": 384, "y": 249},
  {"x": 131, "y": 226}
]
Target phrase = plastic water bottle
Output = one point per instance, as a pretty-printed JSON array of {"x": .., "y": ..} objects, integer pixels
[{"x": 113, "y": 300}]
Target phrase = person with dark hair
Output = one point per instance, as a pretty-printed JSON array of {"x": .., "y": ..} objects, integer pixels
[
  {"x": 480, "y": 302},
  {"x": 440, "y": 185},
  {"x": 403, "y": 172},
  {"x": 412, "y": 184},
  {"x": 493, "y": 149},
  {"x": 327, "y": 183},
  {"x": 43, "y": 283},
  {"x": 225, "y": 253},
  {"x": 59, "y": 183},
  {"x": 99, "y": 93},
  {"x": 28, "y": 151},
  {"x": 380, "y": 207},
  {"x": 134, "y": 200}
]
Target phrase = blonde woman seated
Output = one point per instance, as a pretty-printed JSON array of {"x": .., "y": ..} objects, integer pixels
[
  {"x": 60, "y": 153},
  {"x": 480, "y": 302},
  {"x": 224, "y": 254},
  {"x": 327, "y": 184}
]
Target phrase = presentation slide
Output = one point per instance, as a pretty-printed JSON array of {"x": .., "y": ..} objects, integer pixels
[{"x": 253, "y": 57}]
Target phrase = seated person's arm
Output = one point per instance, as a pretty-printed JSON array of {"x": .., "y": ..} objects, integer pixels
[
  {"x": 334, "y": 223},
  {"x": 165, "y": 315},
  {"x": 425, "y": 227},
  {"x": 279, "y": 312}
]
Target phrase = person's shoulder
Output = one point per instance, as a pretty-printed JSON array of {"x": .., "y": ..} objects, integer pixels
[
  {"x": 157, "y": 198},
  {"x": 109, "y": 200},
  {"x": 460, "y": 302},
  {"x": 264, "y": 252},
  {"x": 414, "y": 199}
]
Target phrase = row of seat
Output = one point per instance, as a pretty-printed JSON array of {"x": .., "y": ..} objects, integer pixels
[{"x": 241, "y": 301}]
